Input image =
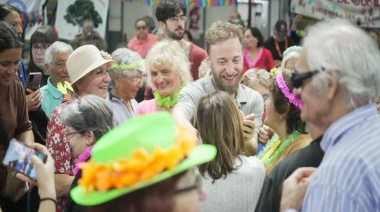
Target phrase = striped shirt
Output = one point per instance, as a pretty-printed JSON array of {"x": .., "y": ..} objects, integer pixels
[{"x": 348, "y": 178}]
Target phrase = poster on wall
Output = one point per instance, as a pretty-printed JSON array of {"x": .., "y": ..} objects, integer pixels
[
  {"x": 195, "y": 21},
  {"x": 71, "y": 13},
  {"x": 31, "y": 12},
  {"x": 363, "y": 12}
]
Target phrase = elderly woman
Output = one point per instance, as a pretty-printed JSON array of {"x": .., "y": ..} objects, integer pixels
[
  {"x": 255, "y": 55},
  {"x": 14, "y": 120},
  {"x": 127, "y": 76},
  {"x": 283, "y": 111},
  {"x": 231, "y": 172},
  {"x": 87, "y": 119},
  {"x": 168, "y": 71},
  {"x": 88, "y": 71},
  {"x": 291, "y": 56},
  {"x": 152, "y": 173}
]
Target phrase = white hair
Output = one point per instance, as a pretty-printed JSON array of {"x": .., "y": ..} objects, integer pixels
[
  {"x": 168, "y": 54},
  {"x": 55, "y": 48},
  {"x": 290, "y": 55},
  {"x": 127, "y": 57},
  {"x": 337, "y": 45}
]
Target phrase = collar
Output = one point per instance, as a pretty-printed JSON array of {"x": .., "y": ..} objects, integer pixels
[
  {"x": 348, "y": 123},
  {"x": 241, "y": 96},
  {"x": 53, "y": 90}
]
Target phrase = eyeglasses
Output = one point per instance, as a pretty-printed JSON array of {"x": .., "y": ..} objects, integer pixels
[
  {"x": 141, "y": 27},
  {"x": 197, "y": 186},
  {"x": 42, "y": 46},
  {"x": 298, "y": 78},
  {"x": 177, "y": 18},
  {"x": 137, "y": 79},
  {"x": 73, "y": 133}
]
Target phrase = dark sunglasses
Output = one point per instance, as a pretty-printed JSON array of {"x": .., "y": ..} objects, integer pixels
[
  {"x": 141, "y": 27},
  {"x": 298, "y": 78}
]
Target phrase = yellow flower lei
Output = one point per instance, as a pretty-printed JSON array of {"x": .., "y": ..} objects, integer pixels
[
  {"x": 139, "y": 167},
  {"x": 129, "y": 67}
]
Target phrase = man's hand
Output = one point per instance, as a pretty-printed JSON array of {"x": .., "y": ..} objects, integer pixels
[
  {"x": 294, "y": 188},
  {"x": 33, "y": 100},
  {"x": 295, "y": 22}
]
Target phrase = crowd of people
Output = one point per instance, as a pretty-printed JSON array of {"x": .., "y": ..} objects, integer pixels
[{"x": 241, "y": 125}]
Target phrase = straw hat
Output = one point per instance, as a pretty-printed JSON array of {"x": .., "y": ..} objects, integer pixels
[
  {"x": 85, "y": 59},
  {"x": 138, "y": 153}
]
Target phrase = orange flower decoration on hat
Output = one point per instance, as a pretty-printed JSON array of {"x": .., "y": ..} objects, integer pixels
[{"x": 139, "y": 167}]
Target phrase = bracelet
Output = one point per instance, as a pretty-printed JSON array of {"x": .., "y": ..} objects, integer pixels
[{"x": 48, "y": 198}]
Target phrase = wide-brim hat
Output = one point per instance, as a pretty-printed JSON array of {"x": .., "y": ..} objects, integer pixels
[
  {"x": 145, "y": 132},
  {"x": 85, "y": 59}
]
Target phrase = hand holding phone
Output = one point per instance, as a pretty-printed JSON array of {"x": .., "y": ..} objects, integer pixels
[
  {"x": 18, "y": 158},
  {"x": 34, "y": 81}
]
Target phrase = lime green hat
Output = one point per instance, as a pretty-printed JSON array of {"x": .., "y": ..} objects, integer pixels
[{"x": 138, "y": 153}]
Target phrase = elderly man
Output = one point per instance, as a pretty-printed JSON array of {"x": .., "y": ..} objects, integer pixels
[
  {"x": 55, "y": 64},
  {"x": 143, "y": 40},
  {"x": 338, "y": 80},
  {"x": 225, "y": 58}
]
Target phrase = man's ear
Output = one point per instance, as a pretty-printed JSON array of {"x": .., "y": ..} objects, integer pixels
[
  {"x": 332, "y": 85},
  {"x": 47, "y": 68},
  {"x": 208, "y": 61},
  {"x": 161, "y": 24}
]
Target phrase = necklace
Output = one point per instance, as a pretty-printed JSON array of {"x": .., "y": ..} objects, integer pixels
[
  {"x": 278, "y": 47},
  {"x": 125, "y": 104},
  {"x": 167, "y": 102},
  {"x": 275, "y": 148},
  {"x": 258, "y": 57},
  {"x": 82, "y": 158}
]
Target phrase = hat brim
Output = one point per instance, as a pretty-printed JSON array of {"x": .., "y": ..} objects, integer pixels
[
  {"x": 90, "y": 68},
  {"x": 201, "y": 154}
]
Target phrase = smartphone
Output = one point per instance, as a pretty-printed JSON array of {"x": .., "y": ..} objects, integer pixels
[
  {"x": 18, "y": 157},
  {"x": 34, "y": 81}
]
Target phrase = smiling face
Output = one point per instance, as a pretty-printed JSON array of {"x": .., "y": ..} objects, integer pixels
[
  {"x": 96, "y": 82},
  {"x": 225, "y": 60},
  {"x": 165, "y": 80},
  {"x": 9, "y": 60},
  {"x": 58, "y": 70},
  {"x": 15, "y": 20},
  {"x": 174, "y": 27}
]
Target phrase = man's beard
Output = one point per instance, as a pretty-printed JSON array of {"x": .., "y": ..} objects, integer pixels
[
  {"x": 174, "y": 36},
  {"x": 220, "y": 85}
]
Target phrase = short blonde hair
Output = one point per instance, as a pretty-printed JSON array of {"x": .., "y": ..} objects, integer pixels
[
  {"x": 168, "y": 54},
  {"x": 221, "y": 31}
]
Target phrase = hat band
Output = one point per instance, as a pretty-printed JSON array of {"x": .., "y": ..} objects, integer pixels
[{"x": 139, "y": 167}]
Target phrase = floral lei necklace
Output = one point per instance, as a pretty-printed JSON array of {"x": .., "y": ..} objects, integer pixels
[
  {"x": 258, "y": 57},
  {"x": 167, "y": 102},
  {"x": 82, "y": 158},
  {"x": 275, "y": 148},
  {"x": 278, "y": 47}
]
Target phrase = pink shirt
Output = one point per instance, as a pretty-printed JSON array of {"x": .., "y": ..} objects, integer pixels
[
  {"x": 146, "y": 106},
  {"x": 142, "y": 47}
]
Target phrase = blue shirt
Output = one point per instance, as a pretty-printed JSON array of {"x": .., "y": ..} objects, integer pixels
[
  {"x": 120, "y": 111},
  {"x": 348, "y": 178},
  {"x": 51, "y": 98},
  {"x": 21, "y": 72}
]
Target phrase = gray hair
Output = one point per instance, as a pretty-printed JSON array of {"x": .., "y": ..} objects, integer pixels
[
  {"x": 89, "y": 112},
  {"x": 340, "y": 46},
  {"x": 127, "y": 57},
  {"x": 55, "y": 48},
  {"x": 290, "y": 55},
  {"x": 168, "y": 54}
]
